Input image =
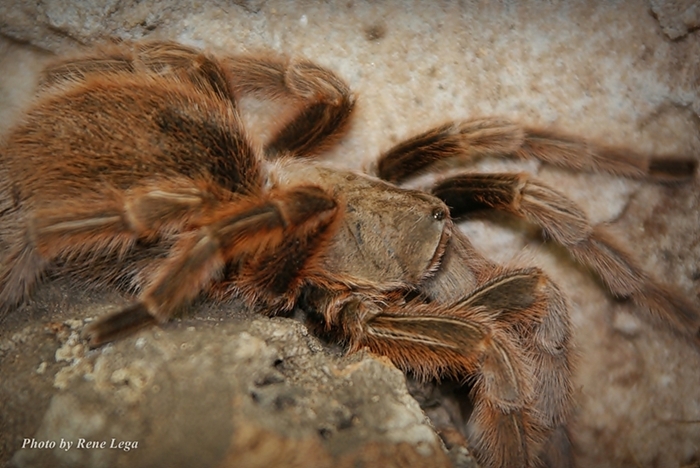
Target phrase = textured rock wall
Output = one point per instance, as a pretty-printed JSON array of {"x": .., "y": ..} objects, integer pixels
[{"x": 623, "y": 72}]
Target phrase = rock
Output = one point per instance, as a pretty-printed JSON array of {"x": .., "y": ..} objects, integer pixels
[
  {"x": 235, "y": 391},
  {"x": 677, "y": 17}
]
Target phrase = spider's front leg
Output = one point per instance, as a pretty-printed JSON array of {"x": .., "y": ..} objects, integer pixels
[
  {"x": 511, "y": 336},
  {"x": 492, "y": 137},
  {"x": 562, "y": 221},
  {"x": 559, "y": 218}
]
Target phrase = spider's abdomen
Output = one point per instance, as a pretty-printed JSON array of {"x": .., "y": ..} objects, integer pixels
[{"x": 94, "y": 144}]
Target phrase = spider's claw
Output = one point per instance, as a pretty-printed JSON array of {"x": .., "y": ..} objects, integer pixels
[{"x": 117, "y": 325}]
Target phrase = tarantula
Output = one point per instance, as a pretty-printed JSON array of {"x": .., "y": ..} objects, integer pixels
[{"x": 134, "y": 167}]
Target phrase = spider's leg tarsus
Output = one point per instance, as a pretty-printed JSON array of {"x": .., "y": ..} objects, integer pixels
[{"x": 117, "y": 325}]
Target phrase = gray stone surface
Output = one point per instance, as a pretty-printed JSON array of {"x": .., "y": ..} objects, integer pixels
[
  {"x": 677, "y": 18},
  {"x": 221, "y": 389},
  {"x": 622, "y": 72}
]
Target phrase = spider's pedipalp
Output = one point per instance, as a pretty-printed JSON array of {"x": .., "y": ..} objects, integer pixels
[{"x": 511, "y": 334}]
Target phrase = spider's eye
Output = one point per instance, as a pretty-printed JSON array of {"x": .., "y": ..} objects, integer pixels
[{"x": 439, "y": 214}]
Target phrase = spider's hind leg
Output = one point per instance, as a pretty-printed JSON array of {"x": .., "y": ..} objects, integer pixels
[
  {"x": 239, "y": 234},
  {"x": 160, "y": 58},
  {"x": 21, "y": 267},
  {"x": 325, "y": 102}
]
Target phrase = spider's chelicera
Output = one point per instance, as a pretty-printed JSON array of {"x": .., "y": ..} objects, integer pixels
[{"x": 133, "y": 166}]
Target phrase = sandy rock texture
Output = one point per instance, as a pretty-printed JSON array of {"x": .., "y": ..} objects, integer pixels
[
  {"x": 248, "y": 391},
  {"x": 222, "y": 385},
  {"x": 677, "y": 18}
]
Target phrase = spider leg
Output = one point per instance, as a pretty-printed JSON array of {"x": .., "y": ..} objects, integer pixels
[
  {"x": 563, "y": 221},
  {"x": 20, "y": 269},
  {"x": 325, "y": 101},
  {"x": 234, "y": 235},
  {"x": 511, "y": 334},
  {"x": 160, "y": 58},
  {"x": 490, "y": 137},
  {"x": 115, "y": 220},
  {"x": 109, "y": 223}
]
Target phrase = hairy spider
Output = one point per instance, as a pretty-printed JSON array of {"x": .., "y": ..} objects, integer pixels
[{"x": 134, "y": 167}]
